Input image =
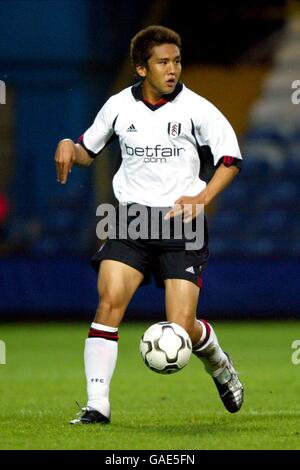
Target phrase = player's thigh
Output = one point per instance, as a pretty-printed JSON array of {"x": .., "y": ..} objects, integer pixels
[
  {"x": 181, "y": 300},
  {"x": 117, "y": 283}
]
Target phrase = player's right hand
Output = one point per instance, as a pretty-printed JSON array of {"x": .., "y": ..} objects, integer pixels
[{"x": 64, "y": 159}]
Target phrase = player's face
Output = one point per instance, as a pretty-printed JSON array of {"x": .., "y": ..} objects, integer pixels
[{"x": 162, "y": 72}]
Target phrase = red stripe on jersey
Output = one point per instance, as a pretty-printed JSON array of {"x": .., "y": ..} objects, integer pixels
[
  {"x": 158, "y": 103},
  {"x": 199, "y": 282},
  {"x": 80, "y": 139},
  {"x": 228, "y": 161}
]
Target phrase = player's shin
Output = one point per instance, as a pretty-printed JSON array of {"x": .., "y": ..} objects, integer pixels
[
  {"x": 209, "y": 351},
  {"x": 100, "y": 357}
]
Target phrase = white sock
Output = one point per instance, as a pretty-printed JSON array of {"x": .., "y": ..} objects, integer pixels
[
  {"x": 100, "y": 357},
  {"x": 209, "y": 351}
]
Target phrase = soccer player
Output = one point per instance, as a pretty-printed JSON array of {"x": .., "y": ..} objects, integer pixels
[{"x": 178, "y": 152}]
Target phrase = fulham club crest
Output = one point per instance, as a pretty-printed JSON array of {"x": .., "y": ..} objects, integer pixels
[{"x": 174, "y": 129}]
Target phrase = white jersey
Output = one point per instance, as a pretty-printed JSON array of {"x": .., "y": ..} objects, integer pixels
[{"x": 166, "y": 148}]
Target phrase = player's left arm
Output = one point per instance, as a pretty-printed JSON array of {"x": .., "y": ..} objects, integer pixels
[
  {"x": 222, "y": 178},
  {"x": 192, "y": 205}
]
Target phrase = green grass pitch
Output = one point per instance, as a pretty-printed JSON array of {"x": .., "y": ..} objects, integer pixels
[{"x": 44, "y": 376}]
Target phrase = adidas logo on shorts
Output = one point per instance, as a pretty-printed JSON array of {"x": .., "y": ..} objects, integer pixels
[{"x": 190, "y": 270}]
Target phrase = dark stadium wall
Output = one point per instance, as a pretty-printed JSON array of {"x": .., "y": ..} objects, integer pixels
[
  {"x": 44, "y": 49},
  {"x": 58, "y": 59},
  {"x": 59, "y": 288}
]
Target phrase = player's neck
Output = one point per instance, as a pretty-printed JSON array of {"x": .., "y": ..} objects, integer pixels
[{"x": 151, "y": 95}]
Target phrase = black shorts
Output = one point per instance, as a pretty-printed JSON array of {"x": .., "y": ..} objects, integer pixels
[{"x": 164, "y": 259}]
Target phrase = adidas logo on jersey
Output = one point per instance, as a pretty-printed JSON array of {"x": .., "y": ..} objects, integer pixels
[{"x": 131, "y": 128}]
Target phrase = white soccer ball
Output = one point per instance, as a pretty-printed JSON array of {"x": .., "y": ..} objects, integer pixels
[{"x": 166, "y": 347}]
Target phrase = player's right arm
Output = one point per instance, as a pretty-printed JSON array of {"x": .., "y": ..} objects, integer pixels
[
  {"x": 90, "y": 144},
  {"x": 68, "y": 154}
]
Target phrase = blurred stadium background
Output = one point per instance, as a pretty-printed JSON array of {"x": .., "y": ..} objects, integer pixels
[{"x": 60, "y": 60}]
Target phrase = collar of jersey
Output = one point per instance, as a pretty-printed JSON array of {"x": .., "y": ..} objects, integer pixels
[{"x": 137, "y": 93}]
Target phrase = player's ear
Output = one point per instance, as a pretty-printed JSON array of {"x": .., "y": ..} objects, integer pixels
[{"x": 141, "y": 70}]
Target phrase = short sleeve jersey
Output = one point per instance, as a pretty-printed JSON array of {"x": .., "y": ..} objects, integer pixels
[{"x": 164, "y": 147}]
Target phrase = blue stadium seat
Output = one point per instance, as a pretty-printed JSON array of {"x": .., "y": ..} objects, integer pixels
[
  {"x": 284, "y": 194},
  {"x": 272, "y": 133},
  {"x": 290, "y": 169},
  {"x": 257, "y": 170},
  {"x": 227, "y": 221},
  {"x": 228, "y": 246},
  {"x": 236, "y": 195}
]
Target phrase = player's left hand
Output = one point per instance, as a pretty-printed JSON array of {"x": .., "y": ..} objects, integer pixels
[{"x": 189, "y": 206}]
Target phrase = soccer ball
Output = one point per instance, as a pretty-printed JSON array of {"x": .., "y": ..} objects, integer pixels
[{"x": 166, "y": 347}]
